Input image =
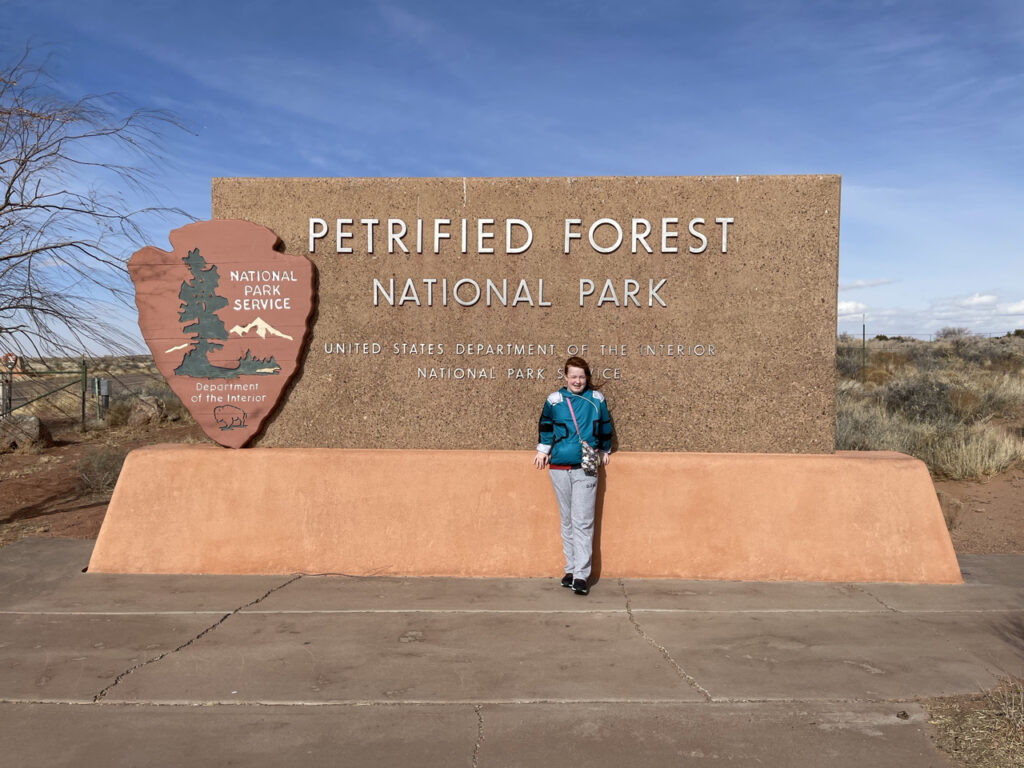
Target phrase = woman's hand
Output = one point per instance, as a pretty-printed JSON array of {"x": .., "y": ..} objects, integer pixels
[
  {"x": 605, "y": 458},
  {"x": 540, "y": 460}
]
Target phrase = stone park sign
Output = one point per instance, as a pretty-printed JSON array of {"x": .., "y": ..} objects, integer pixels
[
  {"x": 384, "y": 315},
  {"x": 445, "y": 307},
  {"x": 224, "y": 315}
]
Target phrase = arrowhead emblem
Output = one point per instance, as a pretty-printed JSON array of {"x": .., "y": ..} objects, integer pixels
[{"x": 224, "y": 274}]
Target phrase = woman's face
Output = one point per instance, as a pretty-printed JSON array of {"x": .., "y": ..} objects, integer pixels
[{"x": 576, "y": 379}]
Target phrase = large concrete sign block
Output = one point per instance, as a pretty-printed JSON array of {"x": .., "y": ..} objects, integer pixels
[{"x": 705, "y": 306}]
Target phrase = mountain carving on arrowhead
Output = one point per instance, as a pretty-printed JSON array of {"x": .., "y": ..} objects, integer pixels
[
  {"x": 261, "y": 327},
  {"x": 188, "y": 297}
]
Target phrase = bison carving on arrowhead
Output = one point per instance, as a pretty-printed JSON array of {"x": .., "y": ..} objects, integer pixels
[{"x": 229, "y": 417}]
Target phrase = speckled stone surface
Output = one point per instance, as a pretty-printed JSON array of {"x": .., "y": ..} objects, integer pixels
[{"x": 371, "y": 378}]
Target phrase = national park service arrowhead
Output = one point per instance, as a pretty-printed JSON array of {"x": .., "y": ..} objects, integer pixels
[{"x": 225, "y": 316}]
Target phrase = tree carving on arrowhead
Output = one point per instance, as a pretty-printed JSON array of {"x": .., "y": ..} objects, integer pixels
[{"x": 200, "y": 303}]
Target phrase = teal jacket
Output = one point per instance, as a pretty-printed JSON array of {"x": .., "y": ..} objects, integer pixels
[{"x": 557, "y": 434}]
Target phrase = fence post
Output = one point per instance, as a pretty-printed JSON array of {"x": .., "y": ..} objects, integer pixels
[
  {"x": 863, "y": 352},
  {"x": 6, "y": 385},
  {"x": 10, "y": 362},
  {"x": 104, "y": 397},
  {"x": 85, "y": 374}
]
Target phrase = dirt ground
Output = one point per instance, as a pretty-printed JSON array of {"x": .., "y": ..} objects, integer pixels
[
  {"x": 42, "y": 494},
  {"x": 985, "y": 516}
]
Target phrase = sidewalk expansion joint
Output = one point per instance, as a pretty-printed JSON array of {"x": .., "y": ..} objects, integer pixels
[
  {"x": 719, "y": 702},
  {"x": 661, "y": 649},
  {"x": 100, "y": 696},
  {"x": 877, "y": 599},
  {"x": 478, "y": 709}
]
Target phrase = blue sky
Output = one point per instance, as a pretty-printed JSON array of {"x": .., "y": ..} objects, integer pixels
[{"x": 918, "y": 105}]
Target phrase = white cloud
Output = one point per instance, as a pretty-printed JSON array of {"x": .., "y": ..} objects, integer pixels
[
  {"x": 980, "y": 313},
  {"x": 858, "y": 284},
  {"x": 978, "y": 300}
]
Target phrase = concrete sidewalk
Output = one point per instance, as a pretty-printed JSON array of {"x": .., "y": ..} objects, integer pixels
[{"x": 337, "y": 671}]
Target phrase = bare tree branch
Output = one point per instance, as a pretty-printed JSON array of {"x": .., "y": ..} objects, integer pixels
[{"x": 66, "y": 229}]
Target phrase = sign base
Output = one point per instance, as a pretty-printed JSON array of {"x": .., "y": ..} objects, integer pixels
[{"x": 848, "y": 516}]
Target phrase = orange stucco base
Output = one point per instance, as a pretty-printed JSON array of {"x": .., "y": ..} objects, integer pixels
[{"x": 849, "y": 516}]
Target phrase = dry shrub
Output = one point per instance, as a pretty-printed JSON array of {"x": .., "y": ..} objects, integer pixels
[
  {"x": 951, "y": 449},
  {"x": 952, "y": 510},
  {"x": 983, "y": 730},
  {"x": 920, "y": 398},
  {"x": 175, "y": 409},
  {"x": 877, "y": 376},
  {"x": 98, "y": 472},
  {"x": 965, "y": 404},
  {"x": 891, "y": 360},
  {"x": 940, "y": 401},
  {"x": 848, "y": 360},
  {"x": 970, "y": 451},
  {"x": 117, "y": 413},
  {"x": 1003, "y": 396},
  {"x": 121, "y": 405}
]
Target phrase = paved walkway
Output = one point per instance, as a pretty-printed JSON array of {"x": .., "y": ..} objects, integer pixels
[{"x": 343, "y": 671}]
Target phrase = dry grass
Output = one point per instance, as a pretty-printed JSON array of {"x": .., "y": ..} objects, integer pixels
[
  {"x": 99, "y": 471},
  {"x": 946, "y": 402},
  {"x": 120, "y": 406},
  {"x": 985, "y": 730},
  {"x": 65, "y": 405},
  {"x": 98, "y": 365}
]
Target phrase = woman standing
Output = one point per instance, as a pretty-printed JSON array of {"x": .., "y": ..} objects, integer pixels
[{"x": 574, "y": 415}]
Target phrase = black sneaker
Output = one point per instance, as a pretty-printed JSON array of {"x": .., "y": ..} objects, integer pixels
[
  {"x": 580, "y": 587},
  {"x": 567, "y": 580}
]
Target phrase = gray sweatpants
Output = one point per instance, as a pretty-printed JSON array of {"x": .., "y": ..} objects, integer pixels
[{"x": 576, "y": 493}]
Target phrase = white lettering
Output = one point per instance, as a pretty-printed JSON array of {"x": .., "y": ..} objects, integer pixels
[
  {"x": 492, "y": 288},
  {"x": 641, "y": 237},
  {"x": 696, "y": 233},
  {"x": 540, "y": 294},
  {"x": 341, "y": 234},
  {"x": 389, "y": 295},
  {"x": 369, "y": 232},
  {"x": 261, "y": 304},
  {"x": 652, "y": 292},
  {"x": 618, "y": 236},
  {"x": 483, "y": 234},
  {"x": 586, "y": 287},
  {"x": 439, "y": 235},
  {"x": 508, "y": 236},
  {"x": 569, "y": 235},
  {"x": 666, "y": 233},
  {"x": 631, "y": 289},
  {"x": 476, "y": 287},
  {"x": 608, "y": 294},
  {"x": 725, "y": 222},
  {"x": 409, "y": 293},
  {"x": 315, "y": 233},
  {"x": 395, "y": 235},
  {"x": 522, "y": 294}
]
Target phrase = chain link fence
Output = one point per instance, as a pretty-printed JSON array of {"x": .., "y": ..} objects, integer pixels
[{"x": 73, "y": 393}]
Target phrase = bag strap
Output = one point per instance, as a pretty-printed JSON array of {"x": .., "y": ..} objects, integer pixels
[{"x": 569, "y": 403}]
